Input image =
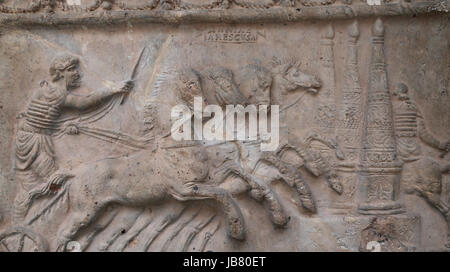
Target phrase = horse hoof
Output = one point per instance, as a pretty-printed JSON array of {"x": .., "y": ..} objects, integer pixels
[
  {"x": 308, "y": 205},
  {"x": 277, "y": 214},
  {"x": 236, "y": 229},
  {"x": 280, "y": 219},
  {"x": 257, "y": 195}
]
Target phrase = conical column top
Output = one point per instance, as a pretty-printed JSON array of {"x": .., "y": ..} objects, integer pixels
[
  {"x": 353, "y": 30},
  {"x": 378, "y": 28},
  {"x": 329, "y": 32}
]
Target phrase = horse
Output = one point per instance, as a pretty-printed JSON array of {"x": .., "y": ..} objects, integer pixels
[
  {"x": 149, "y": 176},
  {"x": 142, "y": 179},
  {"x": 285, "y": 77},
  {"x": 424, "y": 178},
  {"x": 262, "y": 86},
  {"x": 167, "y": 170}
]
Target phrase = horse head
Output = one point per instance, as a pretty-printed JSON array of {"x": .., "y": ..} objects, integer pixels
[{"x": 291, "y": 78}]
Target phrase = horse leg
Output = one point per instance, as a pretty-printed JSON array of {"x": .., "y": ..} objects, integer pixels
[
  {"x": 330, "y": 175},
  {"x": 194, "y": 191},
  {"x": 261, "y": 192},
  {"x": 293, "y": 178},
  {"x": 74, "y": 223},
  {"x": 99, "y": 226},
  {"x": 435, "y": 201},
  {"x": 304, "y": 193}
]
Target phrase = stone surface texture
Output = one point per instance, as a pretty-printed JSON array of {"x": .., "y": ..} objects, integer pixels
[{"x": 88, "y": 160}]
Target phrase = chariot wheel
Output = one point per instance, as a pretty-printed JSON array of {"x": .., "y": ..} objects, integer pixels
[{"x": 14, "y": 239}]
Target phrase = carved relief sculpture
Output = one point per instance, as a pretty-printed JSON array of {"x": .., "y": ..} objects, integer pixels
[
  {"x": 224, "y": 125},
  {"x": 421, "y": 174},
  {"x": 35, "y": 162}
]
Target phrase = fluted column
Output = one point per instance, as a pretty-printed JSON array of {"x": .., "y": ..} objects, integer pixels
[
  {"x": 325, "y": 111},
  {"x": 350, "y": 112}
]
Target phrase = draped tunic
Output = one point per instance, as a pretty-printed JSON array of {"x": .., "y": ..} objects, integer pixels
[
  {"x": 409, "y": 127},
  {"x": 34, "y": 151}
]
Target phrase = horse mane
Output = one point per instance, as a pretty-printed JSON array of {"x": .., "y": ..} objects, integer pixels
[
  {"x": 164, "y": 92},
  {"x": 164, "y": 82},
  {"x": 283, "y": 65}
]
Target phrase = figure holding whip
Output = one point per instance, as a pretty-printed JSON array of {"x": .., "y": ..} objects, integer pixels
[{"x": 133, "y": 75}]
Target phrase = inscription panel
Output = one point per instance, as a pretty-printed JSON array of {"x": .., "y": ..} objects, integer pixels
[{"x": 231, "y": 35}]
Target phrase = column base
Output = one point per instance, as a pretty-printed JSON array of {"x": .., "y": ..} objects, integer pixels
[{"x": 381, "y": 208}]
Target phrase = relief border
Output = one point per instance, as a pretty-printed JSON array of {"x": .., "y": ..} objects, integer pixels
[{"x": 240, "y": 15}]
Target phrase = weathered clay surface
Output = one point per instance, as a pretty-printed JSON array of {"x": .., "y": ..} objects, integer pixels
[{"x": 89, "y": 162}]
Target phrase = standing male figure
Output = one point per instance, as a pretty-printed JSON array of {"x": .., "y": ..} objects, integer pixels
[
  {"x": 421, "y": 175},
  {"x": 34, "y": 152},
  {"x": 409, "y": 126}
]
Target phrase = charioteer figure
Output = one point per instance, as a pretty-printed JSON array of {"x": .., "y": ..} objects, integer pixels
[{"x": 35, "y": 163}]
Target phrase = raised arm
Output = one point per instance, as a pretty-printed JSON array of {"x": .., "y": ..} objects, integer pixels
[
  {"x": 95, "y": 98},
  {"x": 85, "y": 102},
  {"x": 428, "y": 137}
]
